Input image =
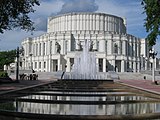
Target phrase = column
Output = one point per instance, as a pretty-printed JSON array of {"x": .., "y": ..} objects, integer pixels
[
  {"x": 69, "y": 45},
  {"x": 146, "y": 64},
  {"x": 62, "y": 47},
  {"x": 109, "y": 65},
  {"x": 49, "y": 64},
  {"x": 53, "y": 47},
  {"x": 59, "y": 64},
  {"x": 134, "y": 67},
  {"x": 113, "y": 64},
  {"x": 104, "y": 65},
  {"x": 97, "y": 62},
  {"x": 68, "y": 69},
  {"x": 124, "y": 48},
  {"x": 130, "y": 66},
  {"x": 122, "y": 66},
  {"x": 102, "y": 46},
  {"x": 42, "y": 66},
  {"x": 42, "y": 49},
  {"x": 138, "y": 66},
  {"x": 142, "y": 62},
  {"x": 134, "y": 49},
  {"x": 110, "y": 45},
  {"x": 38, "y": 49},
  {"x": 77, "y": 45}
]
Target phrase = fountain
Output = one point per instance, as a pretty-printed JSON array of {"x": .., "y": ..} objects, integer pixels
[{"x": 85, "y": 66}]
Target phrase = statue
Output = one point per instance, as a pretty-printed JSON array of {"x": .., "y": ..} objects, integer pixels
[
  {"x": 115, "y": 48},
  {"x": 91, "y": 46},
  {"x": 58, "y": 47},
  {"x": 80, "y": 46}
]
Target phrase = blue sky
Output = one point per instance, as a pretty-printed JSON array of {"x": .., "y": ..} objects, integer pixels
[{"x": 129, "y": 9}]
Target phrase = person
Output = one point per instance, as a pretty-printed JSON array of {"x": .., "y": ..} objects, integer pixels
[{"x": 33, "y": 71}]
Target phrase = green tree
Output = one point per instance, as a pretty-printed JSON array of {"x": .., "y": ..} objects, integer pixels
[
  {"x": 7, "y": 57},
  {"x": 152, "y": 21},
  {"x": 15, "y": 14}
]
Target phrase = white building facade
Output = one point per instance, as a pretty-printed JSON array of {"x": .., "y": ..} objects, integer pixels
[{"x": 115, "y": 49}]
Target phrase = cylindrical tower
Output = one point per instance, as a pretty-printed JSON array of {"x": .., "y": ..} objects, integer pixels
[{"x": 87, "y": 22}]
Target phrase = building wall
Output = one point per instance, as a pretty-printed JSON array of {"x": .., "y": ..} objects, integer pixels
[
  {"x": 86, "y": 22},
  {"x": 115, "y": 49}
]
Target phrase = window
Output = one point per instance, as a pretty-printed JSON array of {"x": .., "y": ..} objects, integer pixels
[
  {"x": 44, "y": 49},
  {"x": 39, "y": 48},
  {"x": 39, "y": 64},
  {"x": 44, "y": 65},
  {"x": 36, "y": 49},
  {"x": 35, "y": 65},
  {"x": 50, "y": 47},
  {"x": 115, "y": 48}
]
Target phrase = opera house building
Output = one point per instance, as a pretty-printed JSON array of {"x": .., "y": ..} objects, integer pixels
[{"x": 114, "y": 48}]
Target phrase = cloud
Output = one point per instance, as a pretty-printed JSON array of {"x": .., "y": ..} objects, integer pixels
[
  {"x": 79, "y": 6},
  {"x": 40, "y": 24},
  {"x": 54, "y": 7},
  {"x": 131, "y": 10},
  {"x": 46, "y": 9}
]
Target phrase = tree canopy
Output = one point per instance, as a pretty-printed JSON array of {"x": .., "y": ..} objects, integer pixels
[
  {"x": 152, "y": 21},
  {"x": 15, "y": 14},
  {"x": 7, "y": 57}
]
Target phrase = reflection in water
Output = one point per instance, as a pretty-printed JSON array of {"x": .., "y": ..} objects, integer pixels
[
  {"x": 80, "y": 109},
  {"x": 20, "y": 105},
  {"x": 81, "y": 98},
  {"x": 73, "y": 109}
]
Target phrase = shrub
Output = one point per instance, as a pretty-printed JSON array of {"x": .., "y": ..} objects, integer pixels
[{"x": 3, "y": 74}]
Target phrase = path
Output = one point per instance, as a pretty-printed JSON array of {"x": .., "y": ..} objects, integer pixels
[{"x": 146, "y": 85}]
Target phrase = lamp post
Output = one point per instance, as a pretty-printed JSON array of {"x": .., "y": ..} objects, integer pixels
[
  {"x": 153, "y": 54},
  {"x": 18, "y": 51},
  {"x": 17, "y": 64}
]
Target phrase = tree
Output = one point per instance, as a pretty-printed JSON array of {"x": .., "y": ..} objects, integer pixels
[
  {"x": 152, "y": 21},
  {"x": 7, "y": 57},
  {"x": 14, "y": 14}
]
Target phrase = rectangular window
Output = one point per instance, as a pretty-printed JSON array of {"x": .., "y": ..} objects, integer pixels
[
  {"x": 36, "y": 49},
  {"x": 44, "y": 49},
  {"x": 39, "y": 64},
  {"x": 50, "y": 47},
  {"x": 35, "y": 65},
  {"x": 40, "y": 49},
  {"x": 44, "y": 64}
]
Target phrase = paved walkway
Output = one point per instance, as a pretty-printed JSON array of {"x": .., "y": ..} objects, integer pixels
[
  {"x": 146, "y": 85},
  {"x": 21, "y": 84}
]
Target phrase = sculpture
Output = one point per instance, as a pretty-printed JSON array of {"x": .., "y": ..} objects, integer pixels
[{"x": 58, "y": 47}]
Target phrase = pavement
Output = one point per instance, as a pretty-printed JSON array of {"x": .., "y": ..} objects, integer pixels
[
  {"x": 145, "y": 85},
  {"x": 21, "y": 84}
]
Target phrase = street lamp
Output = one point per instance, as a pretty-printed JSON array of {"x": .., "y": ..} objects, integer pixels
[
  {"x": 17, "y": 64},
  {"x": 18, "y": 51},
  {"x": 153, "y": 54}
]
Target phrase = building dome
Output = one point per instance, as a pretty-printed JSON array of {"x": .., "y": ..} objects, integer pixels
[{"x": 87, "y": 22}]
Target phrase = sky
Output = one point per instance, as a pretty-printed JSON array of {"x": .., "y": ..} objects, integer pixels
[{"x": 129, "y": 9}]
